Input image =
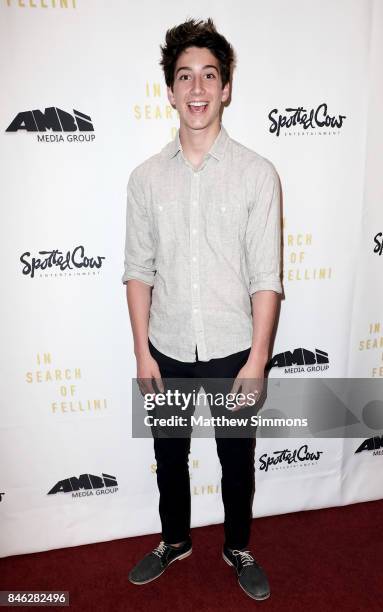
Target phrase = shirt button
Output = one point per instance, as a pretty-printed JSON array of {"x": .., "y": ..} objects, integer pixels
[
  {"x": 194, "y": 202},
  {"x": 195, "y": 310},
  {"x": 194, "y": 258},
  {"x": 195, "y": 285},
  {"x": 160, "y": 208},
  {"x": 223, "y": 208},
  {"x": 194, "y": 231}
]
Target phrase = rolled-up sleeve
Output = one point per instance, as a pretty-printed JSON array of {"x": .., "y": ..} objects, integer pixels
[
  {"x": 263, "y": 235},
  {"x": 139, "y": 261}
]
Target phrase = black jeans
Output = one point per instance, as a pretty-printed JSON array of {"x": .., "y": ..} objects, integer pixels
[{"x": 236, "y": 456}]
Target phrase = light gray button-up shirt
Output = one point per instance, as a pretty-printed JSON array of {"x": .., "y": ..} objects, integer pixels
[{"x": 205, "y": 239}]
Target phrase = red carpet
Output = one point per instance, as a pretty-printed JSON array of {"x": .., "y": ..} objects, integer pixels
[{"x": 329, "y": 559}]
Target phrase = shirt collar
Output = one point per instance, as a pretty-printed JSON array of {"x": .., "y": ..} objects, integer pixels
[{"x": 217, "y": 149}]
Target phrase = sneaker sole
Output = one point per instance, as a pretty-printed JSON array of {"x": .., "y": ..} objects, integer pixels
[
  {"x": 247, "y": 593},
  {"x": 183, "y": 556}
]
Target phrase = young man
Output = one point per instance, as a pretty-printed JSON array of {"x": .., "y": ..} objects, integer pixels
[{"x": 202, "y": 269}]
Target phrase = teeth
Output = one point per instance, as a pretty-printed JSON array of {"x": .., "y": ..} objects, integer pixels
[{"x": 197, "y": 103}]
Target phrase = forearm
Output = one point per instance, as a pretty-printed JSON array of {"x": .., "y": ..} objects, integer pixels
[
  {"x": 264, "y": 309},
  {"x": 139, "y": 297}
]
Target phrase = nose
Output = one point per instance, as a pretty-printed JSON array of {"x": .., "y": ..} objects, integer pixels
[{"x": 197, "y": 85}]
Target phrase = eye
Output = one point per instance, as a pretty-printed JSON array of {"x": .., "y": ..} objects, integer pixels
[
  {"x": 210, "y": 74},
  {"x": 181, "y": 78}
]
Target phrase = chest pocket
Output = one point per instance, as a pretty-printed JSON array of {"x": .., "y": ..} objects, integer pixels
[
  {"x": 223, "y": 225},
  {"x": 166, "y": 220}
]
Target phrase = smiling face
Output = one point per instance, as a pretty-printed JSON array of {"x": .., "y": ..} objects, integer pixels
[{"x": 197, "y": 90}]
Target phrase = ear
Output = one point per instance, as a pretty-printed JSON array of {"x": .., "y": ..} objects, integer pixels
[
  {"x": 171, "y": 96},
  {"x": 225, "y": 92}
]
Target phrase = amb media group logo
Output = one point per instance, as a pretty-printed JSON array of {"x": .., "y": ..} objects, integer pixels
[
  {"x": 61, "y": 125},
  {"x": 300, "y": 360},
  {"x": 373, "y": 445},
  {"x": 86, "y": 485}
]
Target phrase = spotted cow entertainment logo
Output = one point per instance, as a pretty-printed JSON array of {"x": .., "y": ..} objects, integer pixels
[
  {"x": 374, "y": 444},
  {"x": 300, "y": 360},
  {"x": 378, "y": 241},
  {"x": 86, "y": 485},
  {"x": 61, "y": 125},
  {"x": 287, "y": 458},
  {"x": 297, "y": 121},
  {"x": 55, "y": 263}
]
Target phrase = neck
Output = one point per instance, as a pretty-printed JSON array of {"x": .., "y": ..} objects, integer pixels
[{"x": 196, "y": 143}]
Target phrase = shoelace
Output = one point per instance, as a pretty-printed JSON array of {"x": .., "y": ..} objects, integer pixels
[
  {"x": 245, "y": 556},
  {"x": 160, "y": 549}
]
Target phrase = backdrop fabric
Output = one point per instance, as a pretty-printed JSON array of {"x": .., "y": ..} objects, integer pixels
[{"x": 83, "y": 103}]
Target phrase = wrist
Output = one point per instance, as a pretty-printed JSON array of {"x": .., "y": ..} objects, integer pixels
[
  {"x": 142, "y": 351},
  {"x": 257, "y": 359}
]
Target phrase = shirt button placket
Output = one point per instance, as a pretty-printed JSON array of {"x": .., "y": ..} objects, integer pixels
[{"x": 194, "y": 265}]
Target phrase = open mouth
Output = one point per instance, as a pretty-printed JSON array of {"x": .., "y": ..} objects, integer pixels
[{"x": 197, "y": 108}]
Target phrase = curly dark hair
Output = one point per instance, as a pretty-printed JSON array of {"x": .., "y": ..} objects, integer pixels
[{"x": 194, "y": 33}]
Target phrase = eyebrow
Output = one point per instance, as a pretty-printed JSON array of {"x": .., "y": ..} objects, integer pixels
[{"x": 203, "y": 68}]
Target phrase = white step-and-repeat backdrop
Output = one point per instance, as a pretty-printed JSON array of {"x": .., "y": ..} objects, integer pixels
[{"x": 83, "y": 103}]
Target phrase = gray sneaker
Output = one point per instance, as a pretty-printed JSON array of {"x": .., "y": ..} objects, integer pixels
[
  {"x": 251, "y": 576},
  {"x": 155, "y": 563}
]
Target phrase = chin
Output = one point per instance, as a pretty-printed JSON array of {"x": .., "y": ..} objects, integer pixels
[{"x": 199, "y": 123}]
